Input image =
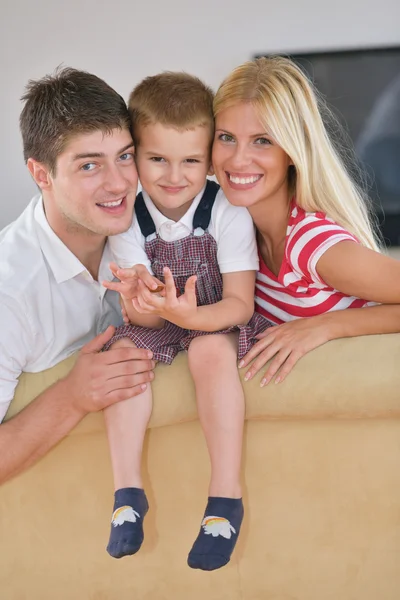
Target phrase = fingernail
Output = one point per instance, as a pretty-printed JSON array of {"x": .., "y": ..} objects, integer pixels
[
  {"x": 263, "y": 382},
  {"x": 149, "y": 355},
  {"x": 247, "y": 376},
  {"x": 241, "y": 364},
  {"x": 143, "y": 386},
  {"x": 278, "y": 380}
]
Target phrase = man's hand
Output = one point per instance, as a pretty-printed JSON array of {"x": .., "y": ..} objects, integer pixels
[
  {"x": 180, "y": 310},
  {"x": 99, "y": 379},
  {"x": 127, "y": 285}
]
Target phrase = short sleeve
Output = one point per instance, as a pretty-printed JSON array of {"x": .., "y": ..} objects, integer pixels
[
  {"x": 15, "y": 348},
  {"x": 309, "y": 240},
  {"x": 128, "y": 248},
  {"x": 235, "y": 237}
]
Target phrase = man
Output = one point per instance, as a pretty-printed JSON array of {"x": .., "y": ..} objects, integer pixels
[{"x": 79, "y": 150}]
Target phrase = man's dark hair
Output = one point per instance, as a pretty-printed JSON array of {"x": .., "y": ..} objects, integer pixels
[{"x": 62, "y": 105}]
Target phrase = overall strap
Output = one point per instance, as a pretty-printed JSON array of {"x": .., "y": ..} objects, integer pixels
[
  {"x": 143, "y": 216},
  {"x": 202, "y": 216}
]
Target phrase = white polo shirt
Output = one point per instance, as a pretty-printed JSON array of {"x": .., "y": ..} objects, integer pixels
[
  {"x": 50, "y": 305},
  {"x": 231, "y": 226}
]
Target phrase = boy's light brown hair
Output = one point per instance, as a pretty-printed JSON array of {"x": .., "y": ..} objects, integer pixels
[
  {"x": 172, "y": 99},
  {"x": 67, "y": 103}
]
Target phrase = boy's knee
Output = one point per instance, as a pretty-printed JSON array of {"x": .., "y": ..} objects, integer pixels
[{"x": 211, "y": 349}]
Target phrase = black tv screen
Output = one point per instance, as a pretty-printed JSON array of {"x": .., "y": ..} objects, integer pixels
[{"x": 363, "y": 89}]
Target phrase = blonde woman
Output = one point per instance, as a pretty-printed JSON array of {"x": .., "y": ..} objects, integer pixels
[{"x": 318, "y": 253}]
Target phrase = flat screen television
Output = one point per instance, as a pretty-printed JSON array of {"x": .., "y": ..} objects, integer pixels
[{"x": 362, "y": 87}]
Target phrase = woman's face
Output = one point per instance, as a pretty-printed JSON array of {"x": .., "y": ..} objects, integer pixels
[{"x": 249, "y": 165}]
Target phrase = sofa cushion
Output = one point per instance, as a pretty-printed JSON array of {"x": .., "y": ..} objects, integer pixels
[{"x": 347, "y": 378}]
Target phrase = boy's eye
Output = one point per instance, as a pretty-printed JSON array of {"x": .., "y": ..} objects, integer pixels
[
  {"x": 262, "y": 141},
  {"x": 157, "y": 159},
  {"x": 88, "y": 167},
  {"x": 225, "y": 137}
]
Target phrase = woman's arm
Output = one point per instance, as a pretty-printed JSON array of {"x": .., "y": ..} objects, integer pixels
[
  {"x": 357, "y": 271},
  {"x": 287, "y": 343},
  {"x": 354, "y": 270}
]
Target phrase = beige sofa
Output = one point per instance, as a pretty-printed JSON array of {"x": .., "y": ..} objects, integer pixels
[{"x": 321, "y": 475}]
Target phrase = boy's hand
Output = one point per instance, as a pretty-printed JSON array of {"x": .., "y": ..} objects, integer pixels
[
  {"x": 125, "y": 317},
  {"x": 129, "y": 278},
  {"x": 180, "y": 310}
]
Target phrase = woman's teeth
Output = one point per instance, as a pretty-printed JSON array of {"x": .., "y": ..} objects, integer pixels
[{"x": 244, "y": 180}]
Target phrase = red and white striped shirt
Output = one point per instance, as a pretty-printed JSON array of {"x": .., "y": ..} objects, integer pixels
[{"x": 298, "y": 290}]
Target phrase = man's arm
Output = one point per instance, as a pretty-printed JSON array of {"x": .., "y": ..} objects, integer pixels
[{"x": 96, "y": 381}]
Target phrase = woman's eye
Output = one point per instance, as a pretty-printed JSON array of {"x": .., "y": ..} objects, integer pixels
[
  {"x": 88, "y": 167},
  {"x": 224, "y": 137},
  {"x": 262, "y": 141}
]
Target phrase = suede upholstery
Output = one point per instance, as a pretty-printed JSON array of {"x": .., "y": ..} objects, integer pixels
[{"x": 321, "y": 475}]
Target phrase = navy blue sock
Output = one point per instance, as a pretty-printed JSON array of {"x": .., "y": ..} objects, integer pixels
[
  {"x": 130, "y": 508},
  {"x": 218, "y": 534}
]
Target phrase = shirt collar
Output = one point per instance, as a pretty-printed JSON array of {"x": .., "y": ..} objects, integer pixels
[
  {"x": 63, "y": 263},
  {"x": 160, "y": 219}
]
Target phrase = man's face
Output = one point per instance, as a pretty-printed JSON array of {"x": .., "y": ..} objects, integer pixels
[{"x": 94, "y": 186}]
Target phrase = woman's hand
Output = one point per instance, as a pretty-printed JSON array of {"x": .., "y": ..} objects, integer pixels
[{"x": 287, "y": 343}]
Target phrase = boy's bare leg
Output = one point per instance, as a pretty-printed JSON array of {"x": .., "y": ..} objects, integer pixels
[
  {"x": 220, "y": 402},
  {"x": 126, "y": 424}
]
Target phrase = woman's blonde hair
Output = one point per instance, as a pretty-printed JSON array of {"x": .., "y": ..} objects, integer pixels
[{"x": 290, "y": 110}]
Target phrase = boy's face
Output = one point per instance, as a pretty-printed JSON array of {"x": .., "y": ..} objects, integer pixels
[
  {"x": 94, "y": 186},
  {"x": 173, "y": 165}
]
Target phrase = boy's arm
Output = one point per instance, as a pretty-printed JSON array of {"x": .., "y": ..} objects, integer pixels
[
  {"x": 129, "y": 249},
  {"x": 143, "y": 320},
  {"x": 235, "y": 308}
]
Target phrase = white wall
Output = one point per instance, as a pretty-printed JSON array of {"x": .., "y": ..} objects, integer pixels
[{"x": 124, "y": 40}]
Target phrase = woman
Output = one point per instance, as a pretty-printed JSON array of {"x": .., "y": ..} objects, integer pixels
[{"x": 318, "y": 253}]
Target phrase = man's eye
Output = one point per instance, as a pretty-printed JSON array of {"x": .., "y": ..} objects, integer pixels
[
  {"x": 88, "y": 167},
  {"x": 126, "y": 156},
  {"x": 224, "y": 137}
]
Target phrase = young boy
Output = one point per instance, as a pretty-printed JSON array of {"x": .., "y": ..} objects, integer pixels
[{"x": 202, "y": 250}]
